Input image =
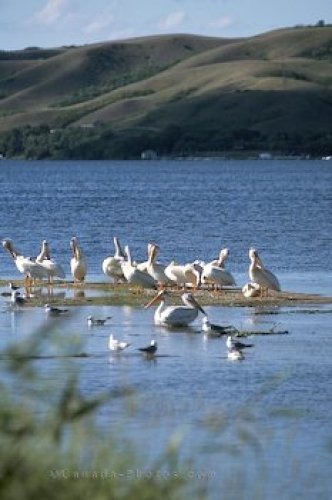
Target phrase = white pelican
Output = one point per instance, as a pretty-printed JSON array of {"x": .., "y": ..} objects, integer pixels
[
  {"x": 183, "y": 274},
  {"x": 214, "y": 330},
  {"x": 231, "y": 343},
  {"x": 235, "y": 355},
  {"x": 54, "y": 311},
  {"x": 176, "y": 273},
  {"x": 175, "y": 315},
  {"x": 25, "y": 265},
  {"x": 143, "y": 266},
  {"x": 53, "y": 269},
  {"x": 155, "y": 269},
  {"x": 251, "y": 290},
  {"x": 111, "y": 266},
  {"x": 151, "y": 349},
  {"x": 215, "y": 272},
  {"x": 259, "y": 274},
  {"x": 134, "y": 276},
  {"x": 116, "y": 345},
  {"x": 78, "y": 263},
  {"x": 97, "y": 321}
]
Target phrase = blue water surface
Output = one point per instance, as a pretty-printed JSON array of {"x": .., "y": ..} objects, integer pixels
[{"x": 255, "y": 429}]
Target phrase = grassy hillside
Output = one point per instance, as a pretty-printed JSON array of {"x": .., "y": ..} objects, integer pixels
[{"x": 176, "y": 91}]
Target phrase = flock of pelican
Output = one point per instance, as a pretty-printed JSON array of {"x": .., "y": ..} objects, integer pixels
[{"x": 150, "y": 274}]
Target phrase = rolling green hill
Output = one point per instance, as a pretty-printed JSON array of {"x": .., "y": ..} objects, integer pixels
[{"x": 177, "y": 94}]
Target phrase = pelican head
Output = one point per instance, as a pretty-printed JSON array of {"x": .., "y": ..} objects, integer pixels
[
  {"x": 189, "y": 300},
  {"x": 253, "y": 253}
]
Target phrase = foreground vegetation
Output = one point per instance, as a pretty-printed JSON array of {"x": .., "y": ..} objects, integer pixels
[
  {"x": 50, "y": 444},
  {"x": 177, "y": 95}
]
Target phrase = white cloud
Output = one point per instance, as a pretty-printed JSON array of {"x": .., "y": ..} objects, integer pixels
[
  {"x": 51, "y": 12},
  {"x": 221, "y": 22},
  {"x": 173, "y": 19}
]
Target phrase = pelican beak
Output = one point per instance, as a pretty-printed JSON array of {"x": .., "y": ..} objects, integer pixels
[
  {"x": 200, "y": 308},
  {"x": 154, "y": 300}
]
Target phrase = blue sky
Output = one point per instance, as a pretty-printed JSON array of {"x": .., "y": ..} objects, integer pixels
[{"x": 52, "y": 23}]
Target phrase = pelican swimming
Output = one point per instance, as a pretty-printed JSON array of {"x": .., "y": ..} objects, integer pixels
[
  {"x": 53, "y": 269},
  {"x": 116, "y": 345},
  {"x": 134, "y": 276},
  {"x": 149, "y": 350},
  {"x": 215, "y": 272},
  {"x": 25, "y": 265},
  {"x": 259, "y": 274},
  {"x": 111, "y": 266},
  {"x": 168, "y": 315},
  {"x": 78, "y": 263}
]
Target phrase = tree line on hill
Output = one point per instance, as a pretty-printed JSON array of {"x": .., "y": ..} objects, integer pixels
[{"x": 101, "y": 143}]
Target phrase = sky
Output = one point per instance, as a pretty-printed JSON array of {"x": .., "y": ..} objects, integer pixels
[{"x": 54, "y": 23}]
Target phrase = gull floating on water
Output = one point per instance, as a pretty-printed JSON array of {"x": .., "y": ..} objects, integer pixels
[
  {"x": 54, "y": 311},
  {"x": 16, "y": 298},
  {"x": 96, "y": 321},
  {"x": 215, "y": 330},
  {"x": 13, "y": 287},
  {"x": 116, "y": 345},
  {"x": 231, "y": 343},
  {"x": 150, "y": 349}
]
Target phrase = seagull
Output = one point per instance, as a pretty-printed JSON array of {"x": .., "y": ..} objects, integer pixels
[
  {"x": 235, "y": 354},
  {"x": 97, "y": 322},
  {"x": 54, "y": 311},
  {"x": 231, "y": 343},
  {"x": 13, "y": 287},
  {"x": 151, "y": 349},
  {"x": 215, "y": 330},
  {"x": 16, "y": 299},
  {"x": 116, "y": 345}
]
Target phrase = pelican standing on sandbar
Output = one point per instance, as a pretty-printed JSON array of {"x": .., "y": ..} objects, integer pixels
[
  {"x": 111, "y": 266},
  {"x": 53, "y": 269},
  {"x": 134, "y": 276},
  {"x": 25, "y": 265},
  {"x": 215, "y": 272},
  {"x": 78, "y": 263},
  {"x": 168, "y": 315},
  {"x": 259, "y": 274}
]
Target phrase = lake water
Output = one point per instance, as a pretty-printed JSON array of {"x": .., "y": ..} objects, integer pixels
[{"x": 265, "y": 420}]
